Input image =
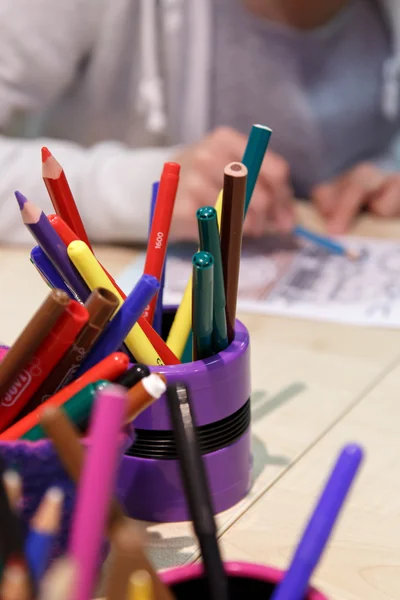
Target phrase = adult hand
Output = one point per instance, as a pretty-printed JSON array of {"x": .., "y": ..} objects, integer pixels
[
  {"x": 201, "y": 179},
  {"x": 365, "y": 185}
]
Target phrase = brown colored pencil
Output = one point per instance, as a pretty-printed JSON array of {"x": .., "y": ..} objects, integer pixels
[
  {"x": 65, "y": 437},
  {"x": 128, "y": 555},
  {"x": 233, "y": 201},
  {"x": 37, "y": 330},
  {"x": 144, "y": 393},
  {"x": 101, "y": 305}
]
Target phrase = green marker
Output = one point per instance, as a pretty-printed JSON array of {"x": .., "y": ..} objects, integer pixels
[
  {"x": 77, "y": 408},
  {"x": 209, "y": 242},
  {"x": 202, "y": 304}
]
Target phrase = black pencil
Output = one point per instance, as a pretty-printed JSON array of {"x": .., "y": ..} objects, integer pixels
[{"x": 196, "y": 488}]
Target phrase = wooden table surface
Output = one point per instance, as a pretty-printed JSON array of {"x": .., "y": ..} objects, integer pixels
[{"x": 315, "y": 387}]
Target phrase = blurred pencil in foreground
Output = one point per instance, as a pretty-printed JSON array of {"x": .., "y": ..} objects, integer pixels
[{"x": 127, "y": 555}]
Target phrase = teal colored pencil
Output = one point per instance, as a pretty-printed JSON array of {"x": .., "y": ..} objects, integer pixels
[
  {"x": 202, "y": 304},
  {"x": 210, "y": 242},
  {"x": 256, "y": 147}
]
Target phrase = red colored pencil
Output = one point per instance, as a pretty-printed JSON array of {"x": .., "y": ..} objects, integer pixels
[
  {"x": 64, "y": 231},
  {"x": 159, "y": 232},
  {"x": 67, "y": 235},
  {"x": 61, "y": 195},
  {"x": 43, "y": 362},
  {"x": 110, "y": 368}
]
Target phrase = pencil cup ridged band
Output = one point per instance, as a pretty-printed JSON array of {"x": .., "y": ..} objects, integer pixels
[
  {"x": 245, "y": 580},
  {"x": 40, "y": 468},
  {"x": 220, "y": 392}
]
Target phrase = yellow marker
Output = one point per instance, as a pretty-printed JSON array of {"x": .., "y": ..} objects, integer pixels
[
  {"x": 94, "y": 276},
  {"x": 140, "y": 586},
  {"x": 182, "y": 324}
]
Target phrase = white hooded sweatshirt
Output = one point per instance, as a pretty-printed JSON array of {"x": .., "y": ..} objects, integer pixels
[{"x": 133, "y": 72}]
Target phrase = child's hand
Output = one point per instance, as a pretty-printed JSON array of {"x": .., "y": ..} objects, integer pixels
[
  {"x": 202, "y": 174},
  {"x": 366, "y": 185}
]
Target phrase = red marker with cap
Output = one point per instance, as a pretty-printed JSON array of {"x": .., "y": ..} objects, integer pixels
[{"x": 159, "y": 232}]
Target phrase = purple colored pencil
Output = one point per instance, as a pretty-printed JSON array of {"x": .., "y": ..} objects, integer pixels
[
  {"x": 52, "y": 245},
  {"x": 48, "y": 270},
  {"x": 319, "y": 528},
  {"x": 157, "y": 319},
  {"x": 96, "y": 487}
]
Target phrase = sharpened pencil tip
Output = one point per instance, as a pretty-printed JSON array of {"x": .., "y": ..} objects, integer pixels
[
  {"x": 21, "y": 200},
  {"x": 45, "y": 154}
]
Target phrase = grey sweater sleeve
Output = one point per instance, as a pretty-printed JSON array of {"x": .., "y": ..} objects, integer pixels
[{"x": 41, "y": 44}]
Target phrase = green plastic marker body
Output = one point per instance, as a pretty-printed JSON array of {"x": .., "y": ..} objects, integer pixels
[
  {"x": 207, "y": 221},
  {"x": 77, "y": 408},
  {"x": 202, "y": 299},
  {"x": 253, "y": 157}
]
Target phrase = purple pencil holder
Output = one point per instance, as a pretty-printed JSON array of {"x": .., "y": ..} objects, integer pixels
[
  {"x": 40, "y": 468},
  {"x": 246, "y": 580},
  {"x": 149, "y": 483}
]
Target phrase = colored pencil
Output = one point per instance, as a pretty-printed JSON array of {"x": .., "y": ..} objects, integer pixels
[
  {"x": 60, "y": 194},
  {"x": 196, "y": 487},
  {"x": 57, "y": 583},
  {"x": 32, "y": 336},
  {"x": 42, "y": 533},
  {"x": 100, "y": 305},
  {"x": 233, "y": 202},
  {"x": 137, "y": 341},
  {"x": 11, "y": 534},
  {"x": 43, "y": 362},
  {"x": 319, "y": 528},
  {"x": 13, "y": 485},
  {"x": 325, "y": 242},
  {"x": 68, "y": 236},
  {"x": 48, "y": 271},
  {"x": 38, "y": 224},
  {"x": 253, "y": 157},
  {"x": 160, "y": 226},
  {"x": 128, "y": 554},
  {"x": 158, "y": 313},
  {"x": 144, "y": 393},
  {"x": 94, "y": 492},
  {"x": 123, "y": 322},
  {"x": 109, "y": 369},
  {"x": 15, "y": 584},
  {"x": 207, "y": 220},
  {"x": 133, "y": 375},
  {"x": 78, "y": 409},
  {"x": 140, "y": 586},
  {"x": 203, "y": 297},
  {"x": 65, "y": 437}
]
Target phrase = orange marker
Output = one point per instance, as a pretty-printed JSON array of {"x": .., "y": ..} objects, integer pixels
[{"x": 110, "y": 368}]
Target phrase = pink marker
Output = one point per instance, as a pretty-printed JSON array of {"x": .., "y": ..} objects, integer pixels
[{"x": 96, "y": 487}]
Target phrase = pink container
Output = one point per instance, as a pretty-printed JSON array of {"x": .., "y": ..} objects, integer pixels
[{"x": 247, "y": 581}]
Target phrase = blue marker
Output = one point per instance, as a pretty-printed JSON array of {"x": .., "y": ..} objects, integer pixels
[
  {"x": 119, "y": 327},
  {"x": 48, "y": 271},
  {"x": 315, "y": 537}
]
